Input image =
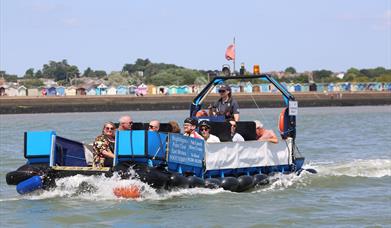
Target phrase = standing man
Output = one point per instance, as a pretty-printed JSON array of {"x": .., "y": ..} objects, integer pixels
[
  {"x": 125, "y": 123},
  {"x": 264, "y": 134},
  {"x": 226, "y": 105},
  {"x": 154, "y": 125}
]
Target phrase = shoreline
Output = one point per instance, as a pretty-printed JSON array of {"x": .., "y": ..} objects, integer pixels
[{"x": 22, "y": 105}]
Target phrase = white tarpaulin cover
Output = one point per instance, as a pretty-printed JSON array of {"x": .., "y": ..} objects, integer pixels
[{"x": 230, "y": 155}]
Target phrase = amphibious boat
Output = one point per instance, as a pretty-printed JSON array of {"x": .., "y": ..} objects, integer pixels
[{"x": 170, "y": 160}]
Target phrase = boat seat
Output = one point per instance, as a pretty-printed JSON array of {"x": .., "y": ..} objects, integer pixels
[
  {"x": 247, "y": 130},
  {"x": 221, "y": 130}
]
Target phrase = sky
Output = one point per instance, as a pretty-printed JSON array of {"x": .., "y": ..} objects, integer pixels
[{"x": 104, "y": 35}]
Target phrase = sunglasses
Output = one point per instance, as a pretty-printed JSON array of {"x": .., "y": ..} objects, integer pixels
[
  {"x": 204, "y": 129},
  {"x": 150, "y": 127},
  {"x": 109, "y": 128},
  {"x": 130, "y": 123},
  {"x": 222, "y": 91}
]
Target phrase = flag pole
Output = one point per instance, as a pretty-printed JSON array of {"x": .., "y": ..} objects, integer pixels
[{"x": 234, "y": 57}]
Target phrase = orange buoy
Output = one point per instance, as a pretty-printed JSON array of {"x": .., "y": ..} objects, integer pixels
[
  {"x": 131, "y": 191},
  {"x": 281, "y": 122}
]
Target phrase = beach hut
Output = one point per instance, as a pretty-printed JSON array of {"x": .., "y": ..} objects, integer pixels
[
  {"x": 51, "y": 91},
  {"x": 112, "y": 90},
  {"x": 91, "y": 91},
  {"x": 265, "y": 88},
  {"x": 151, "y": 89},
  {"x": 256, "y": 89},
  {"x": 313, "y": 87},
  {"x": 141, "y": 90},
  {"x": 345, "y": 87},
  {"x": 182, "y": 89},
  {"x": 101, "y": 89},
  {"x": 297, "y": 87},
  {"x": 44, "y": 91},
  {"x": 320, "y": 87},
  {"x": 235, "y": 88},
  {"x": 330, "y": 87},
  {"x": 305, "y": 88},
  {"x": 387, "y": 86},
  {"x": 2, "y": 91},
  {"x": 81, "y": 91},
  {"x": 11, "y": 91},
  {"x": 60, "y": 91},
  {"x": 70, "y": 91},
  {"x": 163, "y": 90},
  {"x": 33, "y": 92},
  {"x": 132, "y": 89},
  {"x": 122, "y": 90},
  {"x": 22, "y": 91},
  {"x": 172, "y": 89},
  {"x": 248, "y": 87}
]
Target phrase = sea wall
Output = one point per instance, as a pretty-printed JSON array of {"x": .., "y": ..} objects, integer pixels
[{"x": 16, "y": 105}]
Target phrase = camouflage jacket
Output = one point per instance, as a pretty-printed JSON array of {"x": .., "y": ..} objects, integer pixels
[{"x": 100, "y": 145}]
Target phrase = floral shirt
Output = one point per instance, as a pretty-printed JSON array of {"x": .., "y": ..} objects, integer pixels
[{"x": 100, "y": 145}]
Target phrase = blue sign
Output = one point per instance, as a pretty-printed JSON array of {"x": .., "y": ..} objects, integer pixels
[{"x": 185, "y": 150}]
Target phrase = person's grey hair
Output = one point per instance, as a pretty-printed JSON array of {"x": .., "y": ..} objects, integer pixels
[{"x": 258, "y": 124}]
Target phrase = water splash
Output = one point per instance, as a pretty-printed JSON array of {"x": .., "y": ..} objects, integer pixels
[{"x": 356, "y": 168}]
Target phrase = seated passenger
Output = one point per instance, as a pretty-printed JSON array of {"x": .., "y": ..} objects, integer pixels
[
  {"x": 236, "y": 137},
  {"x": 189, "y": 127},
  {"x": 174, "y": 127},
  {"x": 103, "y": 146},
  {"x": 154, "y": 125},
  {"x": 205, "y": 132},
  {"x": 264, "y": 134},
  {"x": 125, "y": 123}
]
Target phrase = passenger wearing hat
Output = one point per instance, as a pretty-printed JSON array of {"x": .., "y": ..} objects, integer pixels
[
  {"x": 226, "y": 105},
  {"x": 205, "y": 132},
  {"x": 264, "y": 134},
  {"x": 189, "y": 127}
]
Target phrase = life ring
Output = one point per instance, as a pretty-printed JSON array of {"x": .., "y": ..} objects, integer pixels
[
  {"x": 131, "y": 191},
  {"x": 281, "y": 122}
]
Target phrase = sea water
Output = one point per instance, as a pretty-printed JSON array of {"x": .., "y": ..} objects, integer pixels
[{"x": 350, "y": 147}]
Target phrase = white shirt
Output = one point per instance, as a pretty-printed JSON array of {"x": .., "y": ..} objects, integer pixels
[
  {"x": 237, "y": 138},
  {"x": 213, "y": 139}
]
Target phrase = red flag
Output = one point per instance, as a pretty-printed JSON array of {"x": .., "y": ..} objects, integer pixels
[{"x": 230, "y": 52}]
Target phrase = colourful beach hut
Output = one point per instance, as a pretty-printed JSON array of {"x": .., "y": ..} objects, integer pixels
[
  {"x": 2, "y": 91},
  {"x": 248, "y": 87},
  {"x": 132, "y": 89},
  {"x": 101, "y": 89},
  {"x": 141, "y": 90},
  {"x": 33, "y": 92},
  {"x": 330, "y": 87},
  {"x": 51, "y": 91},
  {"x": 182, "y": 90},
  {"x": 22, "y": 91},
  {"x": 172, "y": 89},
  {"x": 11, "y": 91},
  {"x": 151, "y": 89},
  {"x": 235, "y": 88},
  {"x": 256, "y": 89},
  {"x": 313, "y": 87},
  {"x": 345, "y": 87},
  {"x": 70, "y": 91},
  {"x": 91, "y": 91},
  {"x": 122, "y": 90},
  {"x": 162, "y": 90},
  {"x": 81, "y": 91},
  {"x": 111, "y": 90},
  {"x": 297, "y": 87},
  {"x": 265, "y": 88},
  {"x": 60, "y": 90},
  {"x": 305, "y": 88}
]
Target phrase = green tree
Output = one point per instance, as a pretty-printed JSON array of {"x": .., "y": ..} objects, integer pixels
[
  {"x": 60, "y": 71},
  {"x": 290, "y": 70},
  {"x": 29, "y": 73},
  {"x": 32, "y": 83},
  {"x": 8, "y": 77}
]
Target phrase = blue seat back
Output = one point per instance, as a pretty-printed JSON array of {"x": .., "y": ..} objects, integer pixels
[{"x": 39, "y": 146}]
